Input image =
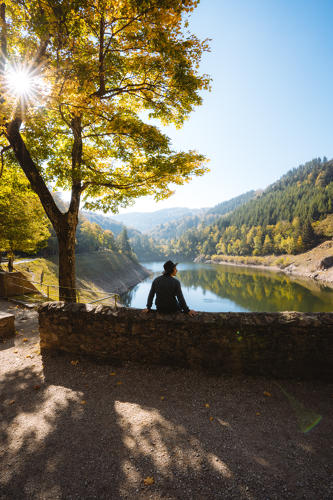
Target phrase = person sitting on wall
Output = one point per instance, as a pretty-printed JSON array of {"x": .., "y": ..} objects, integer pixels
[{"x": 169, "y": 296}]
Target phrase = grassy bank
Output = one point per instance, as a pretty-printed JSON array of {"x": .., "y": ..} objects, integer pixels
[{"x": 98, "y": 274}]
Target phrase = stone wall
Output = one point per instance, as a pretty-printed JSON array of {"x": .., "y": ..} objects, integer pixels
[{"x": 283, "y": 345}]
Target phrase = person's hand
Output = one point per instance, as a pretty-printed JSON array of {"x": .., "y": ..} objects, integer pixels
[
  {"x": 146, "y": 311},
  {"x": 192, "y": 313}
]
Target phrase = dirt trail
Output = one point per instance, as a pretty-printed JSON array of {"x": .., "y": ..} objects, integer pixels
[{"x": 72, "y": 428}]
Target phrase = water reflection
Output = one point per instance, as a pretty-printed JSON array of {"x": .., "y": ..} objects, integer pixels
[{"x": 231, "y": 288}]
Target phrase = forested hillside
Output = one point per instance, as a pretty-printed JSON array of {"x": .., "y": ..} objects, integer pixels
[
  {"x": 290, "y": 216},
  {"x": 228, "y": 206},
  {"x": 175, "y": 228}
]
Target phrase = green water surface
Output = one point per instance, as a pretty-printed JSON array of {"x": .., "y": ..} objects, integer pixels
[{"x": 221, "y": 288}]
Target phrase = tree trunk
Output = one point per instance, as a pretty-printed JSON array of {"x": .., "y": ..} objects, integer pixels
[
  {"x": 67, "y": 281},
  {"x": 63, "y": 224}
]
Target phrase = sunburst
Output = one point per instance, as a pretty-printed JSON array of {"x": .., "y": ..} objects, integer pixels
[{"x": 24, "y": 84}]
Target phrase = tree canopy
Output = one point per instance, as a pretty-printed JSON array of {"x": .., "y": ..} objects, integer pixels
[{"x": 95, "y": 71}]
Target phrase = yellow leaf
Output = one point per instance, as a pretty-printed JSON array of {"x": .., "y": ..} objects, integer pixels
[
  {"x": 258, "y": 413},
  {"x": 211, "y": 419},
  {"x": 119, "y": 382},
  {"x": 83, "y": 402},
  {"x": 162, "y": 398},
  {"x": 207, "y": 405},
  {"x": 16, "y": 351},
  {"x": 28, "y": 356},
  {"x": 148, "y": 481},
  {"x": 268, "y": 394},
  {"x": 112, "y": 373},
  {"x": 25, "y": 340},
  {"x": 74, "y": 362}
]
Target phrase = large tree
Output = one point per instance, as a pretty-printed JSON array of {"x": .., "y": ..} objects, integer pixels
[{"x": 79, "y": 80}]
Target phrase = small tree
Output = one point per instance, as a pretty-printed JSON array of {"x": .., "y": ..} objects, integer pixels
[
  {"x": 307, "y": 234},
  {"x": 23, "y": 224},
  {"x": 123, "y": 242},
  {"x": 99, "y": 68}
]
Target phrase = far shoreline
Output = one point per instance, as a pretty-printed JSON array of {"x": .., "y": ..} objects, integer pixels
[{"x": 307, "y": 265}]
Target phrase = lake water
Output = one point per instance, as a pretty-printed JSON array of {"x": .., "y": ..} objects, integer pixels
[{"x": 222, "y": 288}]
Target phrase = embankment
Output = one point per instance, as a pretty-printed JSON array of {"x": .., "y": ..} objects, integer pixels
[{"x": 99, "y": 271}]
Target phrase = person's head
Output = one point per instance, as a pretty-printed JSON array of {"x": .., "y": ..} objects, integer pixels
[{"x": 170, "y": 268}]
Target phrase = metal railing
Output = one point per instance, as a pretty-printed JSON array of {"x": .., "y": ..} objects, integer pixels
[{"x": 41, "y": 291}]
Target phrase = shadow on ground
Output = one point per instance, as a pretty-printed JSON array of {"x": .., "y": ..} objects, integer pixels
[{"x": 83, "y": 430}]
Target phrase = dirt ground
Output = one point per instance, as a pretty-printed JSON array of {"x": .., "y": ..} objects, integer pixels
[{"x": 73, "y": 428}]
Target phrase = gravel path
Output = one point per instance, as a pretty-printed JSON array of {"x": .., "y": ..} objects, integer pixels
[{"x": 72, "y": 428}]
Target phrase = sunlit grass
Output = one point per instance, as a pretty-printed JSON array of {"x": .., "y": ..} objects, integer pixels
[{"x": 44, "y": 275}]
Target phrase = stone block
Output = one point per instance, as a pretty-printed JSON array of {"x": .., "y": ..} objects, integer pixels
[{"x": 7, "y": 325}]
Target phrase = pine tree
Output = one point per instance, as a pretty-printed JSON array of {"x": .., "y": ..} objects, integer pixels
[{"x": 307, "y": 234}]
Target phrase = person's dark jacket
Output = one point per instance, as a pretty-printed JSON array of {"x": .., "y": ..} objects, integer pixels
[{"x": 169, "y": 296}]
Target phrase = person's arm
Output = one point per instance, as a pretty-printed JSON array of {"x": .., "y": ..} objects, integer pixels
[
  {"x": 181, "y": 300},
  {"x": 150, "y": 297}
]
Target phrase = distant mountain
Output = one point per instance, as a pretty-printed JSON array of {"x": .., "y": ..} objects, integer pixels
[
  {"x": 145, "y": 221},
  {"x": 175, "y": 228},
  {"x": 109, "y": 223},
  {"x": 230, "y": 205}
]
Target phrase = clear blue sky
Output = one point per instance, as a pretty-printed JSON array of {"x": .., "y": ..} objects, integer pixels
[{"x": 271, "y": 104}]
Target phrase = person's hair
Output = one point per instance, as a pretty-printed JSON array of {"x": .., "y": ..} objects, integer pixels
[{"x": 169, "y": 267}]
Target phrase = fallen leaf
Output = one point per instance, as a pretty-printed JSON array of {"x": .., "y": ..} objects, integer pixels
[
  {"x": 12, "y": 402},
  {"x": 25, "y": 340},
  {"x": 148, "y": 481},
  {"x": 16, "y": 351},
  {"x": 112, "y": 374},
  {"x": 258, "y": 413},
  {"x": 119, "y": 382},
  {"x": 162, "y": 398},
  {"x": 74, "y": 362},
  {"x": 28, "y": 356},
  {"x": 268, "y": 394},
  {"x": 36, "y": 387},
  {"x": 211, "y": 419},
  {"x": 207, "y": 405},
  {"x": 83, "y": 402}
]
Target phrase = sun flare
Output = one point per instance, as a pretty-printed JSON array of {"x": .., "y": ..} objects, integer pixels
[
  {"x": 25, "y": 84},
  {"x": 22, "y": 82}
]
